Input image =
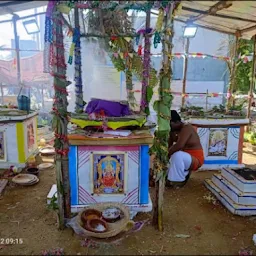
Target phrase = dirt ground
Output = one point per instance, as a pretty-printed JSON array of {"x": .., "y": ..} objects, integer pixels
[{"x": 212, "y": 229}]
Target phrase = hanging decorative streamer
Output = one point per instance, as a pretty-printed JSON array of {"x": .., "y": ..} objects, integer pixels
[
  {"x": 157, "y": 39},
  {"x": 78, "y": 72},
  {"x": 140, "y": 44},
  {"x": 160, "y": 20},
  {"x": 244, "y": 58},
  {"x": 76, "y": 38},
  {"x": 159, "y": 25},
  {"x": 48, "y": 36}
]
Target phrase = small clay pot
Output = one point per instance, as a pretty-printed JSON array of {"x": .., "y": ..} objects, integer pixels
[
  {"x": 96, "y": 226},
  {"x": 90, "y": 214},
  {"x": 33, "y": 170}
]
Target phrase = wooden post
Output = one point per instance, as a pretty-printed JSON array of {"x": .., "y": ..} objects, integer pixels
[
  {"x": 206, "y": 101},
  {"x": 232, "y": 88},
  {"x": 252, "y": 84},
  {"x": 2, "y": 93},
  {"x": 42, "y": 92},
  {"x": 78, "y": 64},
  {"x": 185, "y": 69},
  {"x": 146, "y": 65},
  {"x": 17, "y": 47}
]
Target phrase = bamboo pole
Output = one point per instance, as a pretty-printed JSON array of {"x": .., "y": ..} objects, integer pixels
[
  {"x": 252, "y": 84},
  {"x": 231, "y": 100},
  {"x": 146, "y": 65},
  {"x": 185, "y": 70}
]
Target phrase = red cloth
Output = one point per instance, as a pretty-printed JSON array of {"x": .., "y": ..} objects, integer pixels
[{"x": 197, "y": 158}]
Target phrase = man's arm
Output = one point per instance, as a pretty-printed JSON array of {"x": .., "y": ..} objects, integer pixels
[
  {"x": 182, "y": 140},
  {"x": 172, "y": 139}
]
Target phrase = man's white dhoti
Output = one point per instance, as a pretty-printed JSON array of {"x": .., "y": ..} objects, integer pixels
[{"x": 178, "y": 166}]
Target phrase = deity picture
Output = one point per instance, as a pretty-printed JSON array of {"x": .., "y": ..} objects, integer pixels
[
  {"x": 108, "y": 173},
  {"x": 218, "y": 142},
  {"x": 3, "y": 157},
  {"x": 30, "y": 136}
]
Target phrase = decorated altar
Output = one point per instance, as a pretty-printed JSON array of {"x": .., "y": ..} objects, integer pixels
[
  {"x": 18, "y": 137},
  {"x": 222, "y": 141},
  {"x": 107, "y": 168}
]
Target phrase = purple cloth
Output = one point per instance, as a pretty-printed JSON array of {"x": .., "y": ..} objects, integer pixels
[{"x": 110, "y": 108}]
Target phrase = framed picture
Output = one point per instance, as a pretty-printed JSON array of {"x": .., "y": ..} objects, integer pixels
[
  {"x": 3, "y": 150},
  {"x": 218, "y": 140},
  {"x": 30, "y": 136},
  {"x": 109, "y": 172}
]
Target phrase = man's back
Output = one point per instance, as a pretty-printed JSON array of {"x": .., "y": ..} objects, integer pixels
[{"x": 193, "y": 142}]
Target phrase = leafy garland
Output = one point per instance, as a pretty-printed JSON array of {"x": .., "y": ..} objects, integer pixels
[
  {"x": 163, "y": 108},
  {"x": 115, "y": 6}
]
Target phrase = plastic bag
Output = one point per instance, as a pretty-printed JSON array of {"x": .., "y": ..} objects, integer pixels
[{"x": 73, "y": 223}]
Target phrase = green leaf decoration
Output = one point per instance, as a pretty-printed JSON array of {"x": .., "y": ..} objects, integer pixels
[{"x": 149, "y": 93}]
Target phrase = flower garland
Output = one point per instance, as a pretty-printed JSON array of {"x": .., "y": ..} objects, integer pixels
[{"x": 60, "y": 102}]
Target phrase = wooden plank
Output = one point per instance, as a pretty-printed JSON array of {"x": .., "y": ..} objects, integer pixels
[{"x": 116, "y": 142}]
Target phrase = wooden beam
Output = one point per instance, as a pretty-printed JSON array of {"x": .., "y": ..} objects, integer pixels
[
  {"x": 214, "y": 9},
  {"x": 217, "y": 15},
  {"x": 10, "y": 3},
  {"x": 248, "y": 29}
]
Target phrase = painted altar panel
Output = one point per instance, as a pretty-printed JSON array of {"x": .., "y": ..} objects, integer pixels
[
  {"x": 9, "y": 129},
  {"x": 108, "y": 174},
  {"x": 220, "y": 145}
]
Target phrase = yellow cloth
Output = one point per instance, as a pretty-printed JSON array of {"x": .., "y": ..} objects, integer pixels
[{"x": 111, "y": 124}]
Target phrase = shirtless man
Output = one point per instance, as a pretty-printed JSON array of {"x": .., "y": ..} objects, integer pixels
[{"x": 186, "y": 154}]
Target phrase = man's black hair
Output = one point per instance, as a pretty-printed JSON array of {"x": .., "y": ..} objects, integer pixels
[{"x": 175, "y": 117}]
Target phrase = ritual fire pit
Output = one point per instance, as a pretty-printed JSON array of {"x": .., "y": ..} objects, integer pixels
[{"x": 246, "y": 173}]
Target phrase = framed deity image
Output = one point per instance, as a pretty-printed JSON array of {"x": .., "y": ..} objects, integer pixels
[
  {"x": 218, "y": 140},
  {"x": 109, "y": 172},
  {"x": 3, "y": 150}
]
